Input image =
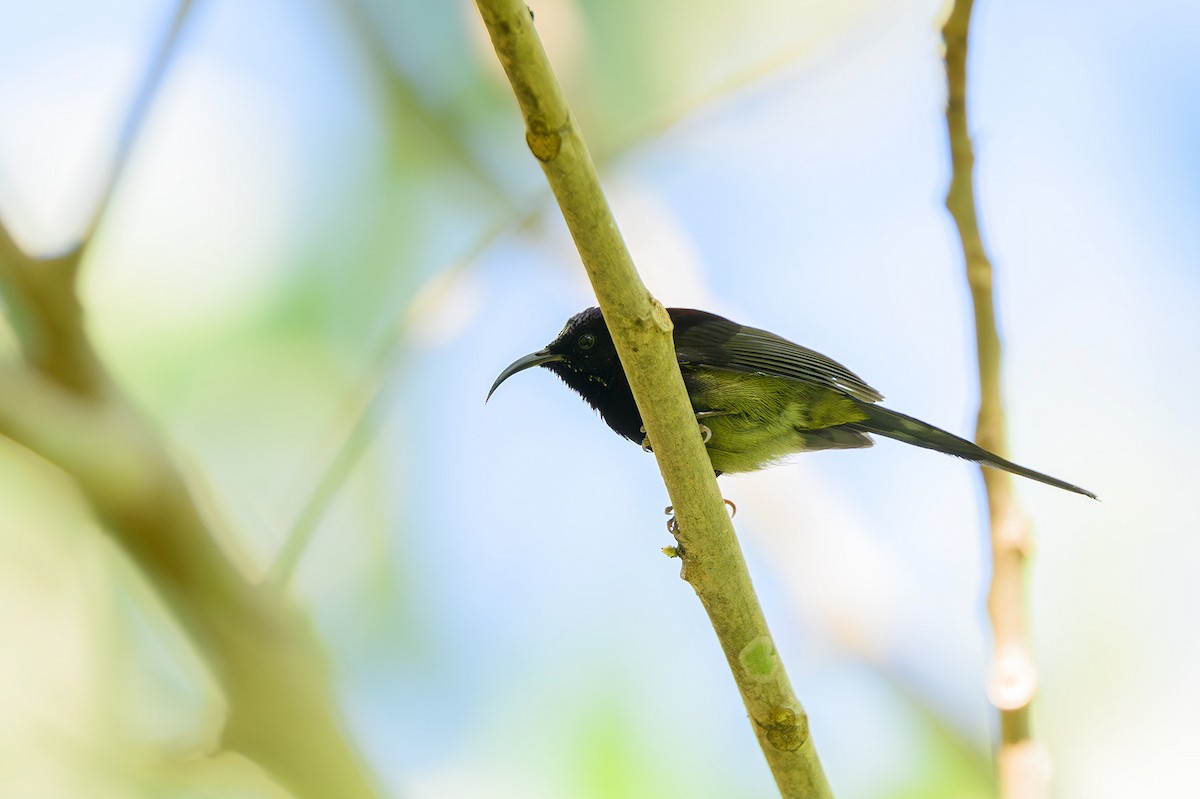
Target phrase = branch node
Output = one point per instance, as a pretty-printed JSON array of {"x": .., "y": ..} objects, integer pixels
[
  {"x": 544, "y": 142},
  {"x": 1013, "y": 678},
  {"x": 1011, "y": 532},
  {"x": 660, "y": 317},
  {"x": 786, "y": 730}
]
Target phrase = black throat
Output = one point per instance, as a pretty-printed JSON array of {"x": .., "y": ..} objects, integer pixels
[{"x": 609, "y": 394}]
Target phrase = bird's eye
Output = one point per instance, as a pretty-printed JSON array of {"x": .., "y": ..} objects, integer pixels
[{"x": 587, "y": 341}]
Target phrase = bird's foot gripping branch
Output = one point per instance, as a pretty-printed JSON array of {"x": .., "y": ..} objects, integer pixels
[{"x": 673, "y": 526}]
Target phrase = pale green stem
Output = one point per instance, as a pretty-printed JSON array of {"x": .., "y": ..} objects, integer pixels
[{"x": 712, "y": 559}]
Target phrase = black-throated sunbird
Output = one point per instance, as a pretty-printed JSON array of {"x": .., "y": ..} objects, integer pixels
[{"x": 757, "y": 397}]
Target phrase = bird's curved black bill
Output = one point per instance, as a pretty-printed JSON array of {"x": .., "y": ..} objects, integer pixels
[{"x": 521, "y": 364}]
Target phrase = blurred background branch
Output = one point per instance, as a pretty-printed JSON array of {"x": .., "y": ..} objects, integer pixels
[
  {"x": 63, "y": 406},
  {"x": 1022, "y": 764},
  {"x": 143, "y": 101}
]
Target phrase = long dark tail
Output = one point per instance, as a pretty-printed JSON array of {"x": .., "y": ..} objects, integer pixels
[{"x": 913, "y": 431}]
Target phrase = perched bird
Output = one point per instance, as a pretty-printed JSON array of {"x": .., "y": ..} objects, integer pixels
[{"x": 757, "y": 397}]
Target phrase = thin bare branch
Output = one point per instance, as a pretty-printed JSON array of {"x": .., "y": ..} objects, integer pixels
[
  {"x": 40, "y": 293},
  {"x": 1013, "y": 678},
  {"x": 403, "y": 97},
  {"x": 135, "y": 117},
  {"x": 371, "y": 400}
]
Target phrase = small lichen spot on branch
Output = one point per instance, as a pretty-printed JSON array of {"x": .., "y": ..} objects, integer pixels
[{"x": 758, "y": 659}]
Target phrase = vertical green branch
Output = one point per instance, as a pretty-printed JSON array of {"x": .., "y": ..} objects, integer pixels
[
  {"x": 712, "y": 559},
  {"x": 1012, "y": 682}
]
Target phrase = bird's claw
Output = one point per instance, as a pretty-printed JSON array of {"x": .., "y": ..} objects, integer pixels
[
  {"x": 673, "y": 526},
  {"x": 705, "y": 434}
]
